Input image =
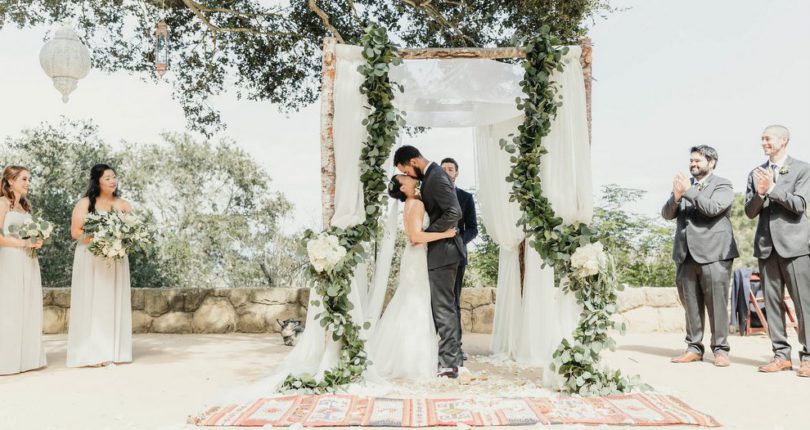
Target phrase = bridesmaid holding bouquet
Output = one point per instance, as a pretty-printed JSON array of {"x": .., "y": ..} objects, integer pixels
[
  {"x": 100, "y": 330},
  {"x": 20, "y": 284}
]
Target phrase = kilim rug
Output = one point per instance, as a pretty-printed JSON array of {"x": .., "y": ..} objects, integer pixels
[{"x": 333, "y": 410}]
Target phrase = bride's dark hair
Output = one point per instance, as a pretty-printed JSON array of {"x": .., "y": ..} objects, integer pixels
[
  {"x": 93, "y": 187},
  {"x": 394, "y": 191}
]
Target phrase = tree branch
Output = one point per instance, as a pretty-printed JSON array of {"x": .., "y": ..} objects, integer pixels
[
  {"x": 432, "y": 11},
  {"x": 198, "y": 9},
  {"x": 354, "y": 14},
  {"x": 325, "y": 19}
]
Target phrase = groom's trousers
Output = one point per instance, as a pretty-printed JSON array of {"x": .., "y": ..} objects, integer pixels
[{"x": 442, "y": 302}]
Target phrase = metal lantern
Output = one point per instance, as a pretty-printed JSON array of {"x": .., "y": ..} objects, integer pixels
[
  {"x": 65, "y": 60},
  {"x": 161, "y": 48}
]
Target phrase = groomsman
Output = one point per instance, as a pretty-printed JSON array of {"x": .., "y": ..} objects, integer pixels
[
  {"x": 703, "y": 250},
  {"x": 777, "y": 192},
  {"x": 467, "y": 229}
]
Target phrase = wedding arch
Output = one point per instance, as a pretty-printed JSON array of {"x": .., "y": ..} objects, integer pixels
[{"x": 520, "y": 118}]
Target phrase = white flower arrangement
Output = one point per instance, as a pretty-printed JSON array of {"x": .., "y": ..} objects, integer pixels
[
  {"x": 325, "y": 252},
  {"x": 32, "y": 230},
  {"x": 588, "y": 260},
  {"x": 116, "y": 234}
]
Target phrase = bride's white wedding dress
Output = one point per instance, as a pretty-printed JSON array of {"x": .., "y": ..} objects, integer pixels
[{"x": 404, "y": 343}]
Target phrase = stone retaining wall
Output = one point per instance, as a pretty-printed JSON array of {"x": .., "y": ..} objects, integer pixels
[
  {"x": 244, "y": 310},
  {"x": 646, "y": 310},
  {"x": 255, "y": 310}
]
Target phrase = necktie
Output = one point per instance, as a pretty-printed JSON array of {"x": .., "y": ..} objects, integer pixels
[{"x": 774, "y": 171}]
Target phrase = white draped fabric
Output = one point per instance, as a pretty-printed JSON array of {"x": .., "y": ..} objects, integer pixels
[
  {"x": 315, "y": 351},
  {"x": 457, "y": 93},
  {"x": 464, "y": 93},
  {"x": 349, "y": 136},
  {"x": 549, "y": 314},
  {"x": 500, "y": 217}
]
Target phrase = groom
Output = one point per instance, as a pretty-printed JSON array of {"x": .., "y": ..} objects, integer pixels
[{"x": 443, "y": 256}]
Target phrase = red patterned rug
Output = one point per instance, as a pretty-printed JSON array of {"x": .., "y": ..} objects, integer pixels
[{"x": 337, "y": 410}]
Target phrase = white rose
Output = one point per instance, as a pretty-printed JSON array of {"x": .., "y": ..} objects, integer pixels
[
  {"x": 325, "y": 252},
  {"x": 589, "y": 259}
]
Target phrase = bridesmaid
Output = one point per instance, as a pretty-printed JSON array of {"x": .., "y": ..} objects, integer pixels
[
  {"x": 100, "y": 331},
  {"x": 20, "y": 286}
]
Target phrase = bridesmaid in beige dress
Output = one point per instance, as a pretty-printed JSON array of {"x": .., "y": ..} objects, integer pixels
[
  {"x": 20, "y": 285},
  {"x": 100, "y": 331}
]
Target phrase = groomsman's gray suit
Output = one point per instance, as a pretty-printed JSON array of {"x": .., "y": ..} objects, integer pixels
[
  {"x": 704, "y": 249},
  {"x": 444, "y": 256},
  {"x": 782, "y": 245}
]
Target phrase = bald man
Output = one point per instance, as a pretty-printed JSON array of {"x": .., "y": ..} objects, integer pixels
[{"x": 777, "y": 193}]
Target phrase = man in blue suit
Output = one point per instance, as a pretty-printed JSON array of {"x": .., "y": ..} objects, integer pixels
[{"x": 467, "y": 229}]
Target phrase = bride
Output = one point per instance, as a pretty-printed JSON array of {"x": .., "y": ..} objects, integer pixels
[{"x": 404, "y": 343}]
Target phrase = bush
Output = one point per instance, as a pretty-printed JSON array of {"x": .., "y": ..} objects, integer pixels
[{"x": 216, "y": 218}]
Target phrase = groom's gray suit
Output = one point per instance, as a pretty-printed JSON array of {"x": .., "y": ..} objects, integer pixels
[
  {"x": 704, "y": 249},
  {"x": 443, "y": 258},
  {"x": 782, "y": 245}
]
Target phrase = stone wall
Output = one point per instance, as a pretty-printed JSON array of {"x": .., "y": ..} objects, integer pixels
[
  {"x": 244, "y": 310},
  {"x": 255, "y": 310},
  {"x": 647, "y": 309}
]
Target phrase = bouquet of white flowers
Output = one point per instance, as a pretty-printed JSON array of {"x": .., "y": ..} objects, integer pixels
[
  {"x": 588, "y": 260},
  {"x": 325, "y": 252},
  {"x": 116, "y": 234},
  {"x": 32, "y": 230}
]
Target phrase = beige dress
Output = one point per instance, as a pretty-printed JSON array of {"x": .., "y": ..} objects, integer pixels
[
  {"x": 20, "y": 306},
  {"x": 100, "y": 328}
]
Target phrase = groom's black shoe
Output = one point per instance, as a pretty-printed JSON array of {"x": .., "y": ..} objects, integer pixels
[{"x": 448, "y": 372}]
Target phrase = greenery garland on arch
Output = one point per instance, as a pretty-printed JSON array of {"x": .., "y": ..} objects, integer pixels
[
  {"x": 335, "y": 253},
  {"x": 574, "y": 251}
]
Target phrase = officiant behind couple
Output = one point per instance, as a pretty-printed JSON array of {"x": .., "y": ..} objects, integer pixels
[{"x": 405, "y": 343}]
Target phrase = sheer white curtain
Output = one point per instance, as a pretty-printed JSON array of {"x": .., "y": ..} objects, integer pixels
[
  {"x": 549, "y": 315},
  {"x": 500, "y": 218},
  {"x": 315, "y": 351},
  {"x": 457, "y": 92}
]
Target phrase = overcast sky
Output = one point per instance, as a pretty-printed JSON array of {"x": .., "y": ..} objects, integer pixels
[{"x": 669, "y": 75}]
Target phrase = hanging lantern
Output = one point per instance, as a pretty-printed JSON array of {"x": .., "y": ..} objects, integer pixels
[
  {"x": 65, "y": 60},
  {"x": 161, "y": 48}
]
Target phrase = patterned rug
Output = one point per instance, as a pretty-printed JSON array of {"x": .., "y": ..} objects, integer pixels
[{"x": 336, "y": 410}]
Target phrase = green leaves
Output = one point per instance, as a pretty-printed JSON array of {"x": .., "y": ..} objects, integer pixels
[
  {"x": 382, "y": 123},
  {"x": 577, "y": 362}
]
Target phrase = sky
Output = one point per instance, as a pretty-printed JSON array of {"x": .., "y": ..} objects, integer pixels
[{"x": 669, "y": 75}]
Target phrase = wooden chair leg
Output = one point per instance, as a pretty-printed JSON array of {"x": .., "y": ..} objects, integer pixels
[
  {"x": 790, "y": 316},
  {"x": 761, "y": 317}
]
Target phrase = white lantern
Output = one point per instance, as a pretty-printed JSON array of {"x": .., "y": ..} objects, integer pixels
[{"x": 65, "y": 59}]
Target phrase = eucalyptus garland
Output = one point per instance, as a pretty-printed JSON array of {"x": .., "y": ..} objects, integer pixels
[
  {"x": 556, "y": 243},
  {"x": 334, "y": 283}
]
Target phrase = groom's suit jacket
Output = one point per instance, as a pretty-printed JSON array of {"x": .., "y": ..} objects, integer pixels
[
  {"x": 441, "y": 205},
  {"x": 703, "y": 228},
  {"x": 782, "y": 225}
]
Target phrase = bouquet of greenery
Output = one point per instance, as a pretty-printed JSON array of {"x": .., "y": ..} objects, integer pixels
[
  {"x": 116, "y": 234},
  {"x": 32, "y": 230}
]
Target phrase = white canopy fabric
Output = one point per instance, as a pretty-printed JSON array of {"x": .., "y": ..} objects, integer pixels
[
  {"x": 457, "y": 92},
  {"x": 467, "y": 93}
]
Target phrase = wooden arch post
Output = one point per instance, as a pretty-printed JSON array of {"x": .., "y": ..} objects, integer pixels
[{"x": 328, "y": 100}]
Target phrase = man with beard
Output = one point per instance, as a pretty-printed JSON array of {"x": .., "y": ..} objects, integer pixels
[
  {"x": 443, "y": 256},
  {"x": 703, "y": 250}
]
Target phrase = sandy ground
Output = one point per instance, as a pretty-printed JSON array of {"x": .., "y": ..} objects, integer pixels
[{"x": 173, "y": 376}]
